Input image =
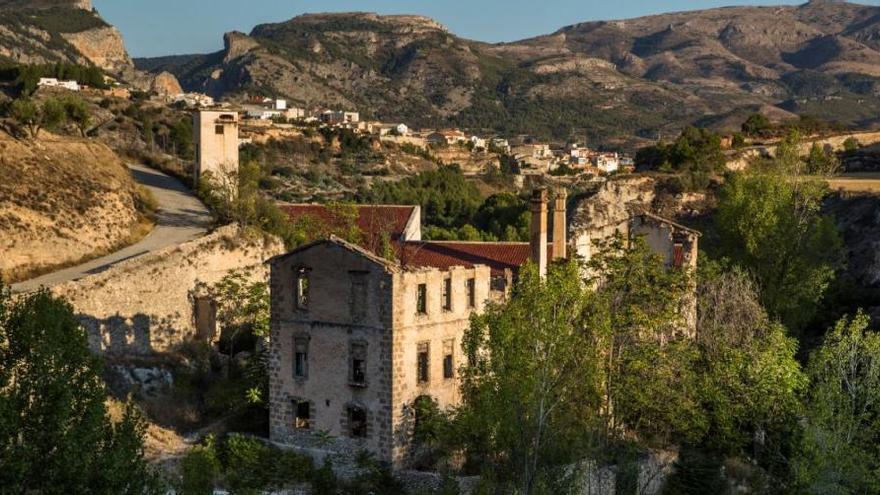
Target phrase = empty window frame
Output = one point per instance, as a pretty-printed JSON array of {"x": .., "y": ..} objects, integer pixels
[
  {"x": 358, "y": 364},
  {"x": 302, "y": 410},
  {"x": 448, "y": 359},
  {"x": 300, "y": 357},
  {"x": 302, "y": 288},
  {"x": 218, "y": 129},
  {"x": 471, "y": 293},
  {"x": 358, "y": 296},
  {"x": 357, "y": 422},
  {"x": 447, "y": 294},
  {"x": 422, "y": 299},
  {"x": 423, "y": 362}
]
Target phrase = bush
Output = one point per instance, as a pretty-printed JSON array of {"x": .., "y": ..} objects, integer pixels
[
  {"x": 850, "y": 145},
  {"x": 199, "y": 469}
]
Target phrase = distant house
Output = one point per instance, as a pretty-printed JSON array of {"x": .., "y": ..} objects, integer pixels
[
  {"x": 334, "y": 117},
  {"x": 262, "y": 113},
  {"x": 501, "y": 145},
  {"x": 478, "y": 142},
  {"x": 446, "y": 136},
  {"x": 194, "y": 99},
  {"x": 51, "y": 82}
]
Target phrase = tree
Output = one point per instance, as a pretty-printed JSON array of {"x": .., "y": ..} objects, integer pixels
[
  {"x": 751, "y": 381},
  {"x": 78, "y": 112},
  {"x": 840, "y": 451},
  {"x": 822, "y": 161},
  {"x": 638, "y": 324},
  {"x": 53, "y": 113},
  {"x": 770, "y": 223},
  {"x": 530, "y": 380},
  {"x": 851, "y": 145},
  {"x": 27, "y": 113},
  {"x": 755, "y": 124},
  {"x": 55, "y": 432}
]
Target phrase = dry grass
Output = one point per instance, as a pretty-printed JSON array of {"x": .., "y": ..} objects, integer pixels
[{"x": 856, "y": 182}]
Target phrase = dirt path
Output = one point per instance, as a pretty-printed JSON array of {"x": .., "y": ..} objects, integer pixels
[{"x": 181, "y": 217}]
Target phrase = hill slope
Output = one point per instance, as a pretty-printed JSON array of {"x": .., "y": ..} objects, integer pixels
[
  {"x": 601, "y": 79},
  {"x": 61, "y": 200},
  {"x": 71, "y": 31}
]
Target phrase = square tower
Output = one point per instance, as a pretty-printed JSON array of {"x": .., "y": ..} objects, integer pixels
[{"x": 216, "y": 143}]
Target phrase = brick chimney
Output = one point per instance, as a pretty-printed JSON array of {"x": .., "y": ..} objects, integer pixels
[
  {"x": 560, "y": 234},
  {"x": 538, "y": 239}
]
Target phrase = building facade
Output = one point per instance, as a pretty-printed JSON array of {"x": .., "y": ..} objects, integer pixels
[
  {"x": 356, "y": 339},
  {"x": 215, "y": 142}
]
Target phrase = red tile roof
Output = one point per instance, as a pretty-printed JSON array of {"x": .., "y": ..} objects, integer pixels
[
  {"x": 498, "y": 256},
  {"x": 372, "y": 220}
]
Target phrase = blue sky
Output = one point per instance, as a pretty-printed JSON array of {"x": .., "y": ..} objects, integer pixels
[{"x": 166, "y": 27}]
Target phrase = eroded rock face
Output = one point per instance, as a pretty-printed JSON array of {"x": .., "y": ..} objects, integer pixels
[
  {"x": 166, "y": 84},
  {"x": 103, "y": 47}
]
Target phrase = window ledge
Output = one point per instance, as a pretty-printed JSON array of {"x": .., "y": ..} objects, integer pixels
[{"x": 357, "y": 385}]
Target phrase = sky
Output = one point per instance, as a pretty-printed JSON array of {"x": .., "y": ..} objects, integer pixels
[{"x": 171, "y": 27}]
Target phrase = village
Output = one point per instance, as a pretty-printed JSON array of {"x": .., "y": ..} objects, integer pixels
[{"x": 353, "y": 254}]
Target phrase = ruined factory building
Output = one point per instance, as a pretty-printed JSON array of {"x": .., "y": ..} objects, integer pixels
[{"x": 357, "y": 338}]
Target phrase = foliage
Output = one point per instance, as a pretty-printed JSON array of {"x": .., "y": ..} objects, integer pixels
[
  {"x": 850, "y": 145},
  {"x": 750, "y": 380},
  {"x": 446, "y": 197},
  {"x": 756, "y": 124},
  {"x": 822, "y": 161},
  {"x": 55, "y": 430},
  {"x": 234, "y": 196},
  {"x": 696, "y": 152},
  {"x": 840, "y": 451},
  {"x": 199, "y": 470},
  {"x": 770, "y": 224},
  {"x": 78, "y": 112},
  {"x": 27, "y": 113},
  {"x": 26, "y": 77},
  {"x": 529, "y": 364}
]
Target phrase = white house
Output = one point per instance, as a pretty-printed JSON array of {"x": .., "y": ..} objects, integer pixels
[
  {"x": 51, "y": 82},
  {"x": 478, "y": 142}
]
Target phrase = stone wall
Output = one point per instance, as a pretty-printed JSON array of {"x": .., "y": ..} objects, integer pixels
[
  {"x": 742, "y": 158},
  {"x": 146, "y": 304}
]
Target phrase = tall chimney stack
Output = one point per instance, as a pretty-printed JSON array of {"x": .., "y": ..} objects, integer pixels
[
  {"x": 560, "y": 235},
  {"x": 538, "y": 239}
]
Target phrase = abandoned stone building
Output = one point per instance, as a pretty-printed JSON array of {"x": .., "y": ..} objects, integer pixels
[
  {"x": 356, "y": 338},
  {"x": 215, "y": 139}
]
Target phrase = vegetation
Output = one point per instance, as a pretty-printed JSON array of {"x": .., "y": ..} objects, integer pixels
[
  {"x": 51, "y": 114},
  {"x": 55, "y": 430},
  {"x": 695, "y": 154},
  {"x": 243, "y": 464},
  {"x": 592, "y": 373},
  {"x": 453, "y": 208},
  {"x": 26, "y": 77},
  {"x": 770, "y": 223}
]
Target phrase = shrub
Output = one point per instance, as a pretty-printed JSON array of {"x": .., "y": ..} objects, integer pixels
[{"x": 199, "y": 469}]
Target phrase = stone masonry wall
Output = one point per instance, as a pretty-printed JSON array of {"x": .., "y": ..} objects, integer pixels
[{"x": 146, "y": 304}]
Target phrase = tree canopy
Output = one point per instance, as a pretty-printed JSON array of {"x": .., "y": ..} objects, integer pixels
[{"x": 55, "y": 431}]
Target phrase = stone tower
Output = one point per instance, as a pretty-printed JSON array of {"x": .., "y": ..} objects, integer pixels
[
  {"x": 216, "y": 143},
  {"x": 538, "y": 239}
]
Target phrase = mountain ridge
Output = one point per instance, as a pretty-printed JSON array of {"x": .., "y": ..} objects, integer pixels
[{"x": 600, "y": 79}]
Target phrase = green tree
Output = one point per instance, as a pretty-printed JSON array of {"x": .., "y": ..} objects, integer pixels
[
  {"x": 638, "y": 323},
  {"x": 770, "y": 223},
  {"x": 27, "y": 113},
  {"x": 55, "y": 432},
  {"x": 840, "y": 452},
  {"x": 53, "y": 113},
  {"x": 751, "y": 382},
  {"x": 850, "y": 145},
  {"x": 755, "y": 124},
  {"x": 821, "y": 161},
  {"x": 78, "y": 112},
  {"x": 530, "y": 381}
]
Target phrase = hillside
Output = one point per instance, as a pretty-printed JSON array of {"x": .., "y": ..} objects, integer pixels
[
  {"x": 70, "y": 31},
  {"x": 61, "y": 200},
  {"x": 637, "y": 77}
]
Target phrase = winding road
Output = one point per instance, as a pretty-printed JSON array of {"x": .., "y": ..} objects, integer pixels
[{"x": 181, "y": 217}]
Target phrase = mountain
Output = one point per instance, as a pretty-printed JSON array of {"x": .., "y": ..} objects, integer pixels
[
  {"x": 609, "y": 81},
  {"x": 70, "y": 31}
]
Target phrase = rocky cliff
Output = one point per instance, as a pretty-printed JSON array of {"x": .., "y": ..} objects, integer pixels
[
  {"x": 70, "y": 31},
  {"x": 638, "y": 77}
]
